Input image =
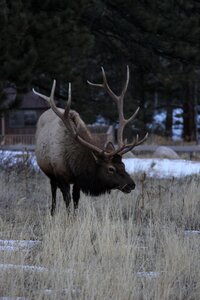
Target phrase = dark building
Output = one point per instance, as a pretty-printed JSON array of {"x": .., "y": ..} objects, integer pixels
[{"x": 19, "y": 126}]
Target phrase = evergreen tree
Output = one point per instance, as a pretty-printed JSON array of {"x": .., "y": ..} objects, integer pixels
[
  {"x": 69, "y": 41},
  {"x": 17, "y": 53},
  {"x": 156, "y": 38}
]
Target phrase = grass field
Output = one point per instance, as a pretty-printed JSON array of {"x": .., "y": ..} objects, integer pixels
[{"x": 108, "y": 248}]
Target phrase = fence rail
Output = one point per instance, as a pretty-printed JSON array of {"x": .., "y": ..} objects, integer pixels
[
  {"x": 101, "y": 136},
  {"x": 14, "y": 139}
]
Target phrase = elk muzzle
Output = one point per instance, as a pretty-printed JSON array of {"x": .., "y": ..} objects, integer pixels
[{"x": 127, "y": 188}]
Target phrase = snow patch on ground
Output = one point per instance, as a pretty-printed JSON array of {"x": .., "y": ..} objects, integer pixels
[
  {"x": 5, "y": 267},
  {"x": 150, "y": 274},
  {"x": 10, "y": 158},
  {"x": 162, "y": 168},
  {"x": 152, "y": 167},
  {"x": 14, "y": 298},
  {"x": 17, "y": 245}
]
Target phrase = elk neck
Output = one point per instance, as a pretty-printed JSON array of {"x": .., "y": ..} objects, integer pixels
[{"x": 87, "y": 177}]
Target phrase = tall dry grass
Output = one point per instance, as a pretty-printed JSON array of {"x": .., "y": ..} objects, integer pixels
[{"x": 104, "y": 250}]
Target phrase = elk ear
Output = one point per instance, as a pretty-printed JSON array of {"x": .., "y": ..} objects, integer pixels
[
  {"x": 99, "y": 158},
  {"x": 109, "y": 147},
  {"x": 117, "y": 158}
]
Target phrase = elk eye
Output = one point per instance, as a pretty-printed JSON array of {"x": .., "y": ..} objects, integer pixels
[{"x": 111, "y": 169}]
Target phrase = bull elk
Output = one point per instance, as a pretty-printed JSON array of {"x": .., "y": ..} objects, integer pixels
[{"x": 67, "y": 153}]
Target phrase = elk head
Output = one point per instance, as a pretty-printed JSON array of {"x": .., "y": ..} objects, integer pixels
[{"x": 110, "y": 159}]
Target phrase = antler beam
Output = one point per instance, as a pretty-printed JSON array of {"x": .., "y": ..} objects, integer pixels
[{"x": 119, "y": 100}]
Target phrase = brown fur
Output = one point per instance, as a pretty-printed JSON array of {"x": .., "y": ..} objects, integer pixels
[{"x": 66, "y": 161}]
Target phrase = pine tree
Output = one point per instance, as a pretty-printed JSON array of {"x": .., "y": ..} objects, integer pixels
[{"x": 155, "y": 38}]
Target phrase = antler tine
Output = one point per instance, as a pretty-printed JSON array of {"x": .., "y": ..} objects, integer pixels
[
  {"x": 107, "y": 87},
  {"x": 127, "y": 147},
  {"x": 41, "y": 95},
  {"x": 65, "y": 116},
  {"x": 134, "y": 115},
  {"x": 68, "y": 105},
  {"x": 135, "y": 143},
  {"x": 62, "y": 116},
  {"x": 120, "y": 103},
  {"x": 51, "y": 99},
  {"x": 104, "y": 85},
  {"x": 52, "y": 102},
  {"x": 120, "y": 106},
  {"x": 127, "y": 81}
]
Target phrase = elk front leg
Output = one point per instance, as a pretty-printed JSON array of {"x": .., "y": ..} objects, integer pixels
[
  {"x": 66, "y": 196},
  {"x": 53, "y": 193},
  {"x": 65, "y": 190},
  {"x": 76, "y": 195}
]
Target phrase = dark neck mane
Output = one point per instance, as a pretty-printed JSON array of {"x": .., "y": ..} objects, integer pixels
[{"x": 90, "y": 185}]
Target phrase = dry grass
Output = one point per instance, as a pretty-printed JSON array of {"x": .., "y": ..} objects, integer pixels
[{"x": 99, "y": 252}]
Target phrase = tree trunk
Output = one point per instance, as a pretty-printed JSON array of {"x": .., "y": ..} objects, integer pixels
[
  {"x": 169, "y": 118},
  {"x": 189, "y": 128},
  {"x": 142, "y": 97}
]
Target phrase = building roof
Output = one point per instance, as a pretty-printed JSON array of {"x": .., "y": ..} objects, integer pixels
[{"x": 29, "y": 100}]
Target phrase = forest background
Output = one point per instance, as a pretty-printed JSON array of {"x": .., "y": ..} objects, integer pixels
[{"x": 71, "y": 40}]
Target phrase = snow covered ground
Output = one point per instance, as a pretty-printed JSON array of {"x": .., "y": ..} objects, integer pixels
[
  {"x": 10, "y": 158},
  {"x": 153, "y": 167},
  {"x": 18, "y": 245},
  {"x": 162, "y": 168}
]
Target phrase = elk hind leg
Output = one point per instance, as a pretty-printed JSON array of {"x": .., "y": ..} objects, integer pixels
[
  {"x": 76, "y": 195},
  {"x": 53, "y": 192}
]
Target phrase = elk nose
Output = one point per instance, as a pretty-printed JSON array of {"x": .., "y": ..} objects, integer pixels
[
  {"x": 132, "y": 185},
  {"x": 128, "y": 187}
]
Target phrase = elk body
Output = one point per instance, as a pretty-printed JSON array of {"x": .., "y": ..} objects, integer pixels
[{"x": 68, "y": 155}]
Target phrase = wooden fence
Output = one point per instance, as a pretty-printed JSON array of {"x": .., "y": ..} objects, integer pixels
[
  {"x": 18, "y": 139},
  {"x": 101, "y": 134}
]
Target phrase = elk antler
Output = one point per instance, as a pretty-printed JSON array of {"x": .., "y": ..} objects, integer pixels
[
  {"x": 122, "y": 147},
  {"x": 65, "y": 117}
]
